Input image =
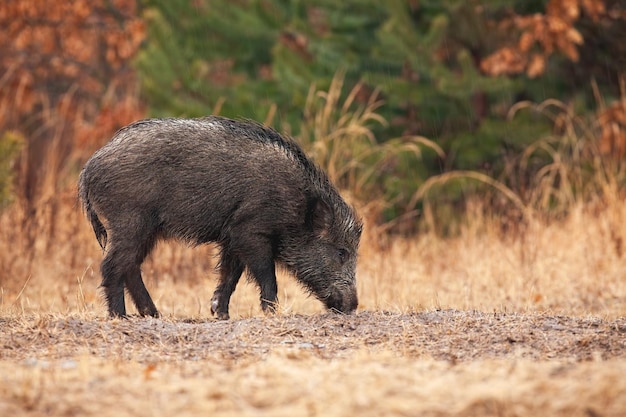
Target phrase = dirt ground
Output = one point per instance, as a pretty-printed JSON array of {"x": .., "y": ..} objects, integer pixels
[
  {"x": 444, "y": 335},
  {"x": 432, "y": 363}
]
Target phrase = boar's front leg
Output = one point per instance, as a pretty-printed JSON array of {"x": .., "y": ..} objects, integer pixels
[
  {"x": 231, "y": 269},
  {"x": 265, "y": 275},
  {"x": 260, "y": 263}
]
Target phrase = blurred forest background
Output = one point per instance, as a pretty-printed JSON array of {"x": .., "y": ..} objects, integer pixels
[{"x": 416, "y": 108}]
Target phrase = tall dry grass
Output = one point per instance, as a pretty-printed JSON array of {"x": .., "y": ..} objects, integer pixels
[
  {"x": 570, "y": 264},
  {"x": 338, "y": 132},
  {"x": 574, "y": 266}
]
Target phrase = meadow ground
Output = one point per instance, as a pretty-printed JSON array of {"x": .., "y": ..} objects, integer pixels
[{"x": 488, "y": 323}]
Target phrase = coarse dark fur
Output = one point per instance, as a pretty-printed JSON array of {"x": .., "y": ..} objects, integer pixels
[{"x": 237, "y": 183}]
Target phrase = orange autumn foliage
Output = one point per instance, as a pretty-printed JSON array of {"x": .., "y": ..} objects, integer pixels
[
  {"x": 555, "y": 32},
  {"x": 65, "y": 79},
  {"x": 542, "y": 35},
  {"x": 611, "y": 121}
]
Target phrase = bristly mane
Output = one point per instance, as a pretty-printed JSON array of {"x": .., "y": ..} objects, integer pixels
[
  {"x": 265, "y": 134},
  {"x": 255, "y": 130}
]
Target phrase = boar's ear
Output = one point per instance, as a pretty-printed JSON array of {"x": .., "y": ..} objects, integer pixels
[{"x": 319, "y": 216}]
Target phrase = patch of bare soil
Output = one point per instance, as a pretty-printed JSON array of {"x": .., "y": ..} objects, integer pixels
[{"x": 449, "y": 335}]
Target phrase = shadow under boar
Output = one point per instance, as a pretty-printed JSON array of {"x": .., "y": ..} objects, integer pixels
[{"x": 212, "y": 179}]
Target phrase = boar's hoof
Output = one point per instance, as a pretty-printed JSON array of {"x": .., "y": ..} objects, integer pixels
[
  {"x": 269, "y": 307},
  {"x": 149, "y": 312},
  {"x": 215, "y": 307},
  {"x": 222, "y": 316}
]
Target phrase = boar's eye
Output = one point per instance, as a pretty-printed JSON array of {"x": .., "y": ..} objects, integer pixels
[{"x": 342, "y": 254}]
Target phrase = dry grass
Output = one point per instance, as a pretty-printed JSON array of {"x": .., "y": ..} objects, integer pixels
[
  {"x": 572, "y": 267},
  {"x": 519, "y": 319},
  {"x": 486, "y": 323},
  {"x": 288, "y": 384}
]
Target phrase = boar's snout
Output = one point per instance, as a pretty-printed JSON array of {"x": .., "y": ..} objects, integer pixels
[{"x": 343, "y": 300}]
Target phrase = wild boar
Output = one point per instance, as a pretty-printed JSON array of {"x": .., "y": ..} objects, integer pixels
[{"x": 236, "y": 183}]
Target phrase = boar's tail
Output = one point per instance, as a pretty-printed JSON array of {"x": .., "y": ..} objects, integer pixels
[
  {"x": 98, "y": 227},
  {"x": 96, "y": 224}
]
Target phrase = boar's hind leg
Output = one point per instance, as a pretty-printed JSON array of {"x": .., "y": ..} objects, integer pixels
[
  {"x": 139, "y": 294},
  {"x": 121, "y": 269},
  {"x": 113, "y": 271},
  {"x": 231, "y": 269},
  {"x": 134, "y": 283}
]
